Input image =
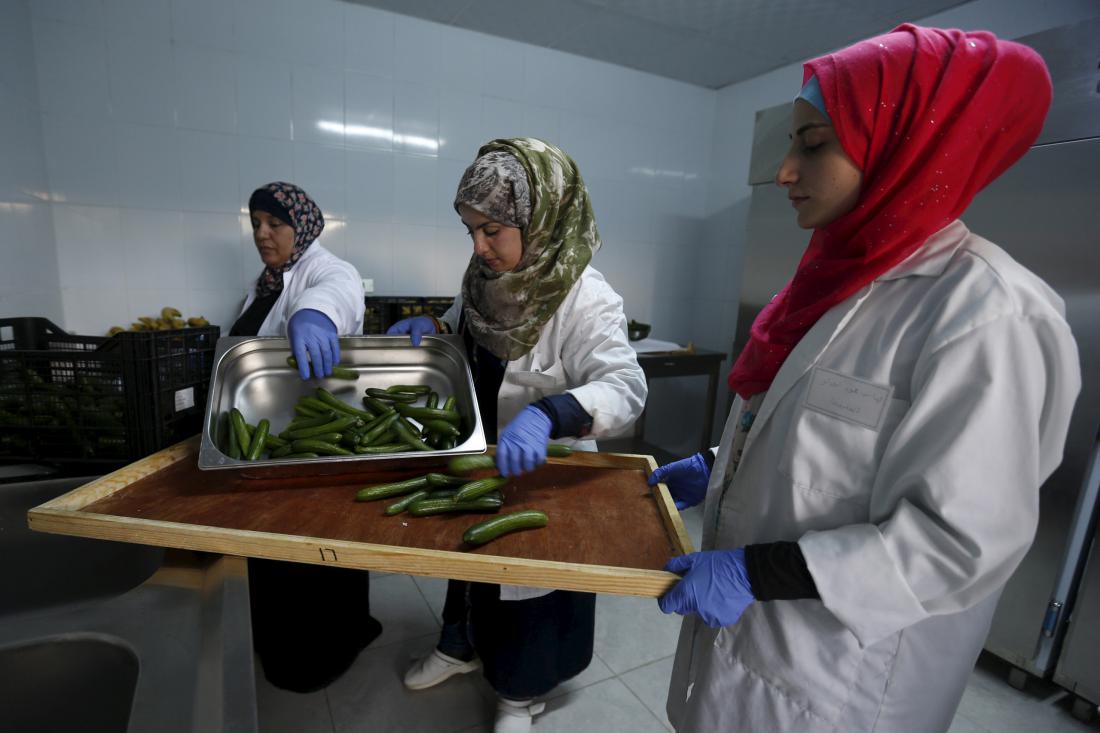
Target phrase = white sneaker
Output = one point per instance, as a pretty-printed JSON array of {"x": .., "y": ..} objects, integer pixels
[
  {"x": 514, "y": 716},
  {"x": 436, "y": 667}
]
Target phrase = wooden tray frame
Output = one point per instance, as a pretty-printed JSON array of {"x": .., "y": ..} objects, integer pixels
[{"x": 64, "y": 515}]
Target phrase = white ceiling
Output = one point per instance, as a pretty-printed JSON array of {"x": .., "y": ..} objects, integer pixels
[{"x": 711, "y": 43}]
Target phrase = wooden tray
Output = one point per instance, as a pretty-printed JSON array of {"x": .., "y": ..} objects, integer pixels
[{"x": 609, "y": 532}]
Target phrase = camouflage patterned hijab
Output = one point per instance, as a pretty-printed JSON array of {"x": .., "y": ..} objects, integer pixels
[{"x": 506, "y": 310}]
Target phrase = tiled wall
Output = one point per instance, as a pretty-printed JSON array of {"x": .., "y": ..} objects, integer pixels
[
  {"x": 28, "y": 268},
  {"x": 159, "y": 117}
]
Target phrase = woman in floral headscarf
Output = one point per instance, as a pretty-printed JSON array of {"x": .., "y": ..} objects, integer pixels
[
  {"x": 545, "y": 335},
  {"x": 900, "y": 402},
  {"x": 308, "y": 294},
  {"x": 305, "y": 292}
]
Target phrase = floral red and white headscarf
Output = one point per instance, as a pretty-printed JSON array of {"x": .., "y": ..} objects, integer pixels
[{"x": 293, "y": 205}]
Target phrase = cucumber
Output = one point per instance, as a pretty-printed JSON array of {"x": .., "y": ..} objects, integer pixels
[
  {"x": 419, "y": 389},
  {"x": 442, "y": 479},
  {"x": 308, "y": 445},
  {"x": 477, "y": 488},
  {"x": 398, "y": 488},
  {"x": 466, "y": 464},
  {"x": 379, "y": 428},
  {"x": 490, "y": 529},
  {"x": 429, "y": 507},
  {"x": 376, "y": 405},
  {"x": 307, "y": 412},
  {"x": 273, "y": 441},
  {"x": 450, "y": 404},
  {"x": 234, "y": 449},
  {"x": 409, "y": 436},
  {"x": 311, "y": 422},
  {"x": 300, "y": 455},
  {"x": 258, "y": 439},
  {"x": 243, "y": 438},
  {"x": 403, "y": 503},
  {"x": 286, "y": 450},
  {"x": 554, "y": 450},
  {"x": 441, "y": 428},
  {"x": 383, "y": 448},
  {"x": 381, "y": 394},
  {"x": 337, "y": 404},
  {"x": 429, "y": 413},
  {"x": 433, "y": 400},
  {"x": 338, "y": 372},
  {"x": 338, "y": 425}
]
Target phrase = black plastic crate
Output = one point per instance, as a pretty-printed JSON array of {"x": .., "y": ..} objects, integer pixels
[
  {"x": 66, "y": 398},
  {"x": 383, "y": 311}
]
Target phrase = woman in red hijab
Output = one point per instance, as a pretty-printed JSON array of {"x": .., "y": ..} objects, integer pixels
[{"x": 900, "y": 402}]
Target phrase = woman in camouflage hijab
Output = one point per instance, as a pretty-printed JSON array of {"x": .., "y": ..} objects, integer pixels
[{"x": 533, "y": 186}]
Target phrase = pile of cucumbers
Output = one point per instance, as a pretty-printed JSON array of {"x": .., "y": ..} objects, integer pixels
[
  {"x": 439, "y": 493},
  {"x": 392, "y": 420}
]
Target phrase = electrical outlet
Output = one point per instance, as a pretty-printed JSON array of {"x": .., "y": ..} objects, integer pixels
[{"x": 368, "y": 285}]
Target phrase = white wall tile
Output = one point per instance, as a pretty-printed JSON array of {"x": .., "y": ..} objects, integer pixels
[
  {"x": 30, "y": 257},
  {"x": 368, "y": 39},
  {"x": 333, "y": 237},
  {"x": 17, "y": 54},
  {"x": 414, "y": 251},
  {"x": 148, "y": 166},
  {"x": 149, "y": 19},
  {"x": 204, "y": 23},
  {"x": 78, "y": 12},
  {"x": 370, "y": 250},
  {"x": 264, "y": 95},
  {"x": 370, "y": 185},
  {"x": 318, "y": 104},
  {"x": 91, "y": 311},
  {"x": 263, "y": 161},
  {"x": 209, "y": 168},
  {"x": 23, "y": 166},
  {"x": 501, "y": 67},
  {"x": 416, "y": 50},
  {"x": 318, "y": 32},
  {"x": 460, "y": 59},
  {"x": 220, "y": 306},
  {"x": 414, "y": 190},
  {"x": 89, "y": 247},
  {"x": 80, "y": 160},
  {"x": 543, "y": 123},
  {"x": 447, "y": 175},
  {"x": 263, "y": 28},
  {"x": 206, "y": 88},
  {"x": 415, "y": 119},
  {"x": 150, "y": 297},
  {"x": 211, "y": 244},
  {"x": 460, "y": 126},
  {"x": 154, "y": 254},
  {"x": 368, "y": 101},
  {"x": 321, "y": 171},
  {"x": 71, "y": 62},
  {"x": 141, "y": 80},
  {"x": 501, "y": 118},
  {"x": 453, "y": 252}
]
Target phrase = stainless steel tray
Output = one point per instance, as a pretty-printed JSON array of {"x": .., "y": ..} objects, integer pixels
[{"x": 252, "y": 375}]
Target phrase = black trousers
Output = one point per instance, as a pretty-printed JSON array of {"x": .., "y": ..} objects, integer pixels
[
  {"x": 527, "y": 648},
  {"x": 309, "y": 622}
]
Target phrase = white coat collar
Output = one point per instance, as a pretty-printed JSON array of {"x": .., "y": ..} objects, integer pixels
[{"x": 931, "y": 258}]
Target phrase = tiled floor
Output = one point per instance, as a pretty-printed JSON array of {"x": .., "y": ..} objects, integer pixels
[{"x": 623, "y": 690}]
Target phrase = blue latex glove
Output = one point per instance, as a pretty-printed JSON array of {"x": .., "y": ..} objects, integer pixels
[
  {"x": 313, "y": 340},
  {"x": 522, "y": 446},
  {"x": 416, "y": 327},
  {"x": 715, "y": 585},
  {"x": 687, "y": 480}
]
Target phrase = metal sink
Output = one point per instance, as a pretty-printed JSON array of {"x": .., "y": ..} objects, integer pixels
[
  {"x": 77, "y": 682},
  {"x": 98, "y": 635}
]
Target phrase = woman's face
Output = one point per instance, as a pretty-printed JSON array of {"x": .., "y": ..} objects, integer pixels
[
  {"x": 499, "y": 246},
  {"x": 274, "y": 238},
  {"x": 822, "y": 182}
]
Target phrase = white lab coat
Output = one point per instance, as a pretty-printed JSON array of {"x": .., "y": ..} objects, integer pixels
[
  {"x": 909, "y": 529},
  {"x": 321, "y": 281},
  {"x": 582, "y": 350}
]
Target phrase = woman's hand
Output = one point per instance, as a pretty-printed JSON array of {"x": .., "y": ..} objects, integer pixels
[
  {"x": 522, "y": 446},
  {"x": 715, "y": 586},
  {"x": 416, "y": 327},
  {"x": 687, "y": 480},
  {"x": 313, "y": 341}
]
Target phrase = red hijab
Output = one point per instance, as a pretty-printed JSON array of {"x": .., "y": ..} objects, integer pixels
[{"x": 930, "y": 117}]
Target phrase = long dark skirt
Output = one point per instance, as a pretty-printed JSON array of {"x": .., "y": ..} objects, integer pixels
[
  {"x": 309, "y": 622},
  {"x": 527, "y": 648}
]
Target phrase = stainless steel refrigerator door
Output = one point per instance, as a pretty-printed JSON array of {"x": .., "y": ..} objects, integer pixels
[{"x": 1043, "y": 212}]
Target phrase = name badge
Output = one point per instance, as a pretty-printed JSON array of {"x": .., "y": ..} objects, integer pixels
[{"x": 848, "y": 398}]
